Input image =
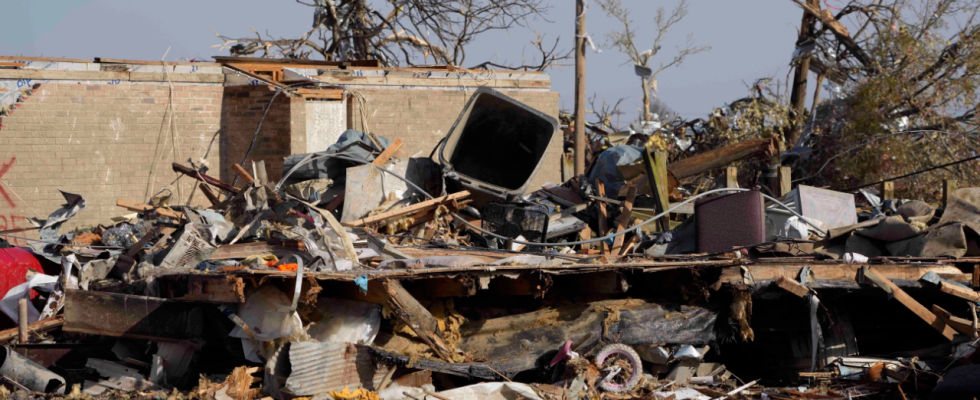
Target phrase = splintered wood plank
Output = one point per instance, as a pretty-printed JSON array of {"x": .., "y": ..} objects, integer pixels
[
  {"x": 792, "y": 286},
  {"x": 959, "y": 291},
  {"x": 417, "y": 317},
  {"x": 242, "y": 173},
  {"x": 38, "y": 327},
  {"x": 960, "y": 324},
  {"x": 425, "y": 205},
  {"x": 913, "y": 305},
  {"x": 721, "y": 157},
  {"x": 624, "y": 219}
]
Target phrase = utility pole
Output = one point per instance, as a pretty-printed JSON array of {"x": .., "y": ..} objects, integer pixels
[
  {"x": 798, "y": 95},
  {"x": 579, "y": 87}
]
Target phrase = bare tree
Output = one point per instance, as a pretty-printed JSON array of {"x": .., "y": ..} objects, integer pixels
[
  {"x": 403, "y": 32},
  {"x": 606, "y": 112},
  {"x": 625, "y": 41}
]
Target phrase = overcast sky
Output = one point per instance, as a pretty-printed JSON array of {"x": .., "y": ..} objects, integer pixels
[{"x": 748, "y": 41}]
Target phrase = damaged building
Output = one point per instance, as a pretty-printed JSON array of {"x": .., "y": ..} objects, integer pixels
[{"x": 261, "y": 228}]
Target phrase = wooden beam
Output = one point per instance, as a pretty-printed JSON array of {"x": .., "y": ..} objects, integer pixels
[
  {"x": 209, "y": 194},
  {"x": 721, "y": 157},
  {"x": 976, "y": 276},
  {"x": 290, "y": 61},
  {"x": 408, "y": 210},
  {"x": 417, "y": 317},
  {"x": 792, "y": 286},
  {"x": 960, "y": 324},
  {"x": 389, "y": 152},
  {"x": 252, "y": 75},
  {"x": 959, "y": 291},
  {"x": 624, "y": 219},
  {"x": 44, "y": 325},
  {"x": 327, "y": 94},
  {"x": 175, "y": 77},
  {"x": 242, "y": 173},
  {"x": 841, "y": 275},
  {"x": 143, "y": 208},
  {"x": 55, "y": 59},
  {"x": 913, "y": 305},
  {"x": 434, "y": 82},
  {"x": 104, "y": 60}
]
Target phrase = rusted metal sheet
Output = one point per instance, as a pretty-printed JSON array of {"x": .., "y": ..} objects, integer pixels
[
  {"x": 321, "y": 367},
  {"x": 137, "y": 317}
]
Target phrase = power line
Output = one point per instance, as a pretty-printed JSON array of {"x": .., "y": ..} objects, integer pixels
[{"x": 912, "y": 173}]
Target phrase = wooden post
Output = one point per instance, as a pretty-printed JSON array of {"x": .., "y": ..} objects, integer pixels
[
  {"x": 601, "y": 190},
  {"x": 785, "y": 180},
  {"x": 798, "y": 94},
  {"x": 731, "y": 177},
  {"x": 888, "y": 191},
  {"x": 579, "y": 87},
  {"x": 976, "y": 276},
  {"x": 949, "y": 186},
  {"x": 585, "y": 234},
  {"x": 22, "y": 320}
]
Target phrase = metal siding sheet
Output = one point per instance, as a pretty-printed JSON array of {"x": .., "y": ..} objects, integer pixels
[{"x": 320, "y": 367}]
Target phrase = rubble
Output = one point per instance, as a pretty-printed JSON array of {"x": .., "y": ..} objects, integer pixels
[{"x": 364, "y": 273}]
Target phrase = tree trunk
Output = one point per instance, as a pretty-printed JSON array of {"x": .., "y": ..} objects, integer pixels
[{"x": 646, "y": 98}]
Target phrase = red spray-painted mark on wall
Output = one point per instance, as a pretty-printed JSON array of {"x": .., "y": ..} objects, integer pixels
[{"x": 3, "y": 170}]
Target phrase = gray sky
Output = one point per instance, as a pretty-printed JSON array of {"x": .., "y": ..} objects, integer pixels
[{"x": 748, "y": 41}]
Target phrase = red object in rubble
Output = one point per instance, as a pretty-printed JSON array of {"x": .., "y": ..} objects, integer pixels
[{"x": 14, "y": 263}]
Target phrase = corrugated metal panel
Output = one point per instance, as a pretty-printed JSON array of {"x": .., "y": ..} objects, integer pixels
[{"x": 321, "y": 367}]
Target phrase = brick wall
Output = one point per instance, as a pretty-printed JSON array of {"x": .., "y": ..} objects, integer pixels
[
  {"x": 241, "y": 110},
  {"x": 99, "y": 141},
  {"x": 422, "y": 117}
]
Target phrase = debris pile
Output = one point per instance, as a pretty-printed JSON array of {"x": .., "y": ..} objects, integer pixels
[{"x": 366, "y": 274}]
